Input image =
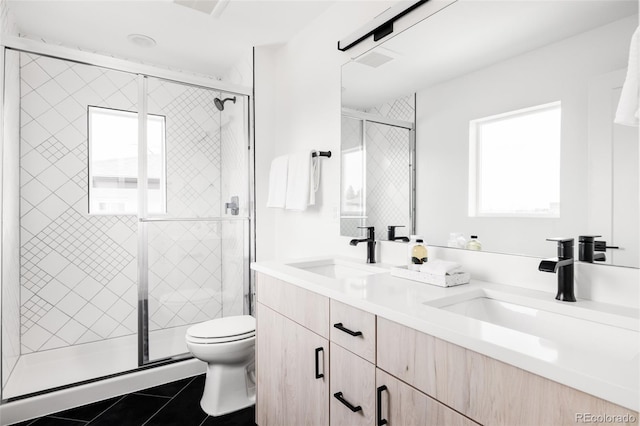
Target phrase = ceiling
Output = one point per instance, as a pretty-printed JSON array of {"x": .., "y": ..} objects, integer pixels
[
  {"x": 470, "y": 35},
  {"x": 187, "y": 39}
]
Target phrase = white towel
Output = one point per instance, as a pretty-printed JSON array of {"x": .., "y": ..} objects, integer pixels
[
  {"x": 440, "y": 267},
  {"x": 299, "y": 181},
  {"x": 278, "y": 182},
  {"x": 628, "y": 108}
]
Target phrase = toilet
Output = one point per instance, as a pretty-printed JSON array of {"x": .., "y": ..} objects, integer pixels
[{"x": 227, "y": 345}]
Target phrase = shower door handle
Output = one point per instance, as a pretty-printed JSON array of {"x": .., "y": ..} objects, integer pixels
[{"x": 233, "y": 207}]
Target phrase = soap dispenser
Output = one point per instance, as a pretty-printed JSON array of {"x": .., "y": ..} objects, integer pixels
[
  {"x": 474, "y": 244},
  {"x": 419, "y": 255}
]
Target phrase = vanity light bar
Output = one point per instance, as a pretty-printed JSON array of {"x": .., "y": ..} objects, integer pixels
[{"x": 381, "y": 26}]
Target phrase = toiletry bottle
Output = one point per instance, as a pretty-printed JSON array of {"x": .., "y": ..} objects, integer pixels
[
  {"x": 474, "y": 244},
  {"x": 412, "y": 242},
  {"x": 418, "y": 255}
]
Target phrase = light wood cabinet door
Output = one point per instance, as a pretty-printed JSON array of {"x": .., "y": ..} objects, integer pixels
[
  {"x": 399, "y": 404},
  {"x": 305, "y": 307},
  {"x": 292, "y": 372},
  {"x": 353, "y": 382}
]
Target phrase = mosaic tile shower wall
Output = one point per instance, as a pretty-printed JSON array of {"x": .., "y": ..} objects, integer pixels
[
  {"x": 192, "y": 147},
  {"x": 78, "y": 271},
  {"x": 185, "y": 278}
]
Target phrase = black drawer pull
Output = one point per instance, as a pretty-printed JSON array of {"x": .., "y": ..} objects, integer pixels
[
  {"x": 340, "y": 327},
  {"x": 339, "y": 397},
  {"x": 379, "y": 420},
  {"x": 319, "y": 375}
]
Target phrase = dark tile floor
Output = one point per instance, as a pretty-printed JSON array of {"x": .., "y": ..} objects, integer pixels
[{"x": 175, "y": 403}]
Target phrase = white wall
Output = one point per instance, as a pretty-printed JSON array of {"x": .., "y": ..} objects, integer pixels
[
  {"x": 444, "y": 112},
  {"x": 297, "y": 95},
  {"x": 298, "y": 108}
]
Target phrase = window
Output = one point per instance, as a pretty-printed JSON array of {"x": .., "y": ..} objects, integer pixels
[
  {"x": 515, "y": 163},
  {"x": 113, "y": 162}
]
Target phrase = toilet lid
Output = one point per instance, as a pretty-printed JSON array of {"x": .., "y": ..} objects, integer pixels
[
  {"x": 237, "y": 326},
  {"x": 214, "y": 340}
]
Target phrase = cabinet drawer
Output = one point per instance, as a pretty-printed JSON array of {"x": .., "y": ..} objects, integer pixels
[
  {"x": 354, "y": 330},
  {"x": 400, "y": 404},
  {"x": 352, "y": 387},
  {"x": 305, "y": 307}
]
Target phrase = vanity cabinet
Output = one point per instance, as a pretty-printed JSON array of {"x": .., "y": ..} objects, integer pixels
[
  {"x": 292, "y": 357},
  {"x": 369, "y": 369},
  {"x": 482, "y": 388}
]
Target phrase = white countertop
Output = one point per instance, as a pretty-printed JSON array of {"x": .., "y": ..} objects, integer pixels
[{"x": 613, "y": 375}]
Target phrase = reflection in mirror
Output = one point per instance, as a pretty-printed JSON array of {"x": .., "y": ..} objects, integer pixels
[
  {"x": 377, "y": 173},
  {"x": 480, "y": 71}
]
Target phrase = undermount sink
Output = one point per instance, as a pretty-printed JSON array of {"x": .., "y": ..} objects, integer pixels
[
  {"x": 562, "y": 323},
  {"x": 338, "y": 268}
]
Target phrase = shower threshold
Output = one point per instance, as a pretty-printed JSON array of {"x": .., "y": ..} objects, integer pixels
[{"x": 54, "y": 368}]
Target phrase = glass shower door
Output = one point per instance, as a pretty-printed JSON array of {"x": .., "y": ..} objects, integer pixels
[{"x": 194, "y": 225}]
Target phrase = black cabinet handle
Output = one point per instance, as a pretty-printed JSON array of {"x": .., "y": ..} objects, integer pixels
[
  {"x": 339, "y": 397},
  {"x": 379, "y": 420},
  {"x": 340, "y": 327},
  {"x": 319, "y": 375}
]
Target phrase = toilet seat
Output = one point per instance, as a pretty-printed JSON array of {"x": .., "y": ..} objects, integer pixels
[{"x": 222, "y": 330}]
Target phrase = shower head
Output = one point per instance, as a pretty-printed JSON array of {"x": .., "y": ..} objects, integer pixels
[{"x": 220, "y": 103}]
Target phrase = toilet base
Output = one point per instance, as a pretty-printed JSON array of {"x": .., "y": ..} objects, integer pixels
[{"x": 228, "y": 388}]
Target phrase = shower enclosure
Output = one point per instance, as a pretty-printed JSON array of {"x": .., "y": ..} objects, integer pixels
[{"x": 126, "y": 218}]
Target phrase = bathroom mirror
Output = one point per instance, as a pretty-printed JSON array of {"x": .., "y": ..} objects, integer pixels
[{"x": 515, "y": 139}]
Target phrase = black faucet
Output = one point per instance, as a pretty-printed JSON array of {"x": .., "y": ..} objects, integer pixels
[
  {"x": 588, "y": 246},
  {"x": 391, "y": 234},
  {"x": 371, "y": 243},
  {"x": 586, "y": 249},
  {"x": 563, "y": 266}
]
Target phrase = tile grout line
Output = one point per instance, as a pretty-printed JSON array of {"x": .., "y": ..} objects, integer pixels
[
  {"x": 169, "y": 401},
  {"x": 109, "y": 407},
  {"x": 65, "y": 418}
]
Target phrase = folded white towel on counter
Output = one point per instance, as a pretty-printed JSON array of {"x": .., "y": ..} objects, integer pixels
[
  {"x": 440, "y": 267},
  {"x": 628, "y": 106},
  {"x": 299, "y": 182},
  {"x": 278, "y": 182}
]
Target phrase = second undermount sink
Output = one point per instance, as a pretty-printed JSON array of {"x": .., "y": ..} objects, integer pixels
[
  {"x": 338, "y": 268},
  {"x": 560, "y": 322}
]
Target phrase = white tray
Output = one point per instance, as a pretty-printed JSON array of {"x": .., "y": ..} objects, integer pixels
[{"x": 457, "y": 278}]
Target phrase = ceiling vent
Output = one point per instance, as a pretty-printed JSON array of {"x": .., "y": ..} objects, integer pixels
[{"x": 374, "y": 59}]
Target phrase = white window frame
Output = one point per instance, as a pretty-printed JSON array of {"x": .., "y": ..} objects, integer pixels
[
  {"x": 162, "y": 179},
  {"x": 475, "y": 168}
]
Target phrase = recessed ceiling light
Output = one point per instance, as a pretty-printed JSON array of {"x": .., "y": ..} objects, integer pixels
[{"x": 141, "y": 40}]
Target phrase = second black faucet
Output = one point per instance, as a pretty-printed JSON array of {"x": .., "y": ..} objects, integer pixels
[{"x": 371, "y": 243}]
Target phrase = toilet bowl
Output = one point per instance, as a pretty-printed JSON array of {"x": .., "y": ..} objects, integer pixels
[{"x": 227, "y": 345}]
